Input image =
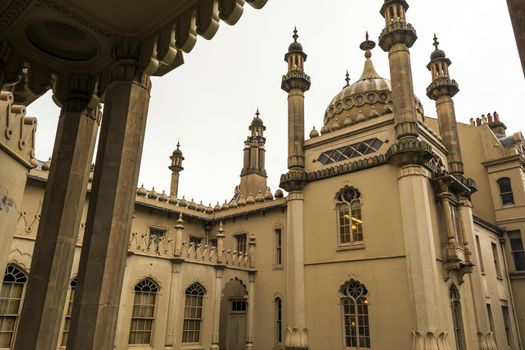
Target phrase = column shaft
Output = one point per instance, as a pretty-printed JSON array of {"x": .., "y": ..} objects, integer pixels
[
  {"x": 449, "y": 132},
  {"x": 250, "y": 335},
  {"x": 174, "y": 305},
  {"x": 295, "y": 129},
  {"x": 64, "y": 198},
  {"x": 217, "y": 307},
  {"x": 110, "y": 212}
]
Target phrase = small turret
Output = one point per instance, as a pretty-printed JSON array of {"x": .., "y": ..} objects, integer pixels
[{"x": 176, "y": 168}]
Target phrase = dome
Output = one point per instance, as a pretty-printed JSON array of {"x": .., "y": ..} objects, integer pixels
[
  {"x": 367, "y": 98},
  {"x": 295, "y": 46},
  {"x": 437, "y": 53}
]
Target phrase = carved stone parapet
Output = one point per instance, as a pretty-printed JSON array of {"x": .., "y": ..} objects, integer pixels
[
  {"x": 409, "y": 151},
  {"x": 296, "y": 339},
  {"x": 487, "y": 341},
  {"x": 17, "y": 132},
  {"x": 296, "y": 79},
  {"x": 397, "y": 32},
  {"x": 429, "y": 340},
  {"x": 442, "y": 87},
  {"x": 293, "y": 181}
]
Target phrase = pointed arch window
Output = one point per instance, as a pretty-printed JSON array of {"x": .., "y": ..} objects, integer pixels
[
  {"x": 11, "y": 303},
  {"x": 67, "y": 319},
  {"x": 143, "y": 315},
  {"x": 356, "y": 326},
  {"x": 193, "y": 311},
  {"x": 350, "y": 222},
  {"x": 457, "y": 317},
  {"x": 505, "y": 190}
]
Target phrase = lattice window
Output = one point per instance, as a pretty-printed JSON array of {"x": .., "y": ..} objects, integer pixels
[
  {"x": 352, "y": 151},
  {"x": 349, "y": 216},
  {"x": 356, "y": 326},
  {"x": 10, "y": 303},
  {"x": 193, "y": 313},
  {"x": 143, "y": 315},
  {"x": 67, "y": 319},
  {"x": 457, "y": 318}
]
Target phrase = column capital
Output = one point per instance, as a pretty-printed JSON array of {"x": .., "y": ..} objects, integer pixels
[
  {"x": 131, "y": 62},
  {"x": 430, "y": 340},
  {"x": 78, "y": 93},
  {"x": 296, "y": 339},
  {"x": 293, "y": 181},
  {"x": 442, "y": 87}
]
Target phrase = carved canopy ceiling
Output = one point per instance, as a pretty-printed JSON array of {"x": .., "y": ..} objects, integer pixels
[{"x": 77, "y": 36}]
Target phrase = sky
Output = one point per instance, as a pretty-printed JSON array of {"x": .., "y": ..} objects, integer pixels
[{"x": 208, "y": 102}]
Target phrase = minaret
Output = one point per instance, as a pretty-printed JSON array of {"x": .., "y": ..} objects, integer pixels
[
  {"x": 396, "y": 39},
  {"x": 441, "y": 90},
  {"x": 295, "y": 83},
  {"x": 176, "y": 168},
  {"x": 253, "y": 174}
]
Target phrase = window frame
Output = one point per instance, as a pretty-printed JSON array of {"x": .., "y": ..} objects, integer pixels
[
  {"x": 154, "y": 291},
  {"x": 241, "y": 238},
  {"x": 506, "y": 194},
  {"x": 518, "y": 255},
  {"x": 200, "y": 294},
  {"x": 278, "y": 321},
  {"x": 495, "y": 255},
  {"x": 278, "y": 247},
  {"x": 344, "y": 209},
  {"x": 480, "y": 254},
  {"x": 10, "y": 268},
  {"x": 360, "y": 302},
  {"x": 69, "y": 311},
  {"x": 457, "y": 317},
  {"x": 505, "y": 314}
]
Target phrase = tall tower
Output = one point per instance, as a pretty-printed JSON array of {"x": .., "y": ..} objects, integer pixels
[
  {"x": 396, "y": 39},
  {"x": 176, "y": 168},
  {"x": 441, "y": 90},
  {"x": 253, "y": 174},
  {"x": 295, "y": 83}
]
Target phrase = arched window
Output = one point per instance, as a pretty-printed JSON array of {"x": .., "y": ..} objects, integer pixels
[
  {"x": 349, "y": 215},
  {"x": 143, "y": 312},
  {"x": 10, "y": 303},
  {"x": 193, "y": 313},
  {"x": 278, "y": 321},
  {"x": 354, "y": 304},
  {"x": 67, "y": 319},
  {"x": 505, "y": 190},
  {"x": 457, "y": 318}
]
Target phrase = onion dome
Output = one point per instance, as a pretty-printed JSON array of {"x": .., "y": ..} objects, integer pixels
[
  {"x": 46, "y": 165},
  {"x": 250, "y": 199},
  {"x": 241, "y": 202},
  {"x": 279, "y": 193},
  {"x": 356, "y": 102},
  {"x": 153, "y": 194},
  {"x": 173, "y": 200},
  {"x": 314, "y": 133},
  {"x": 259, "y": 197},
  {"x": 192, "y": 205},
  {"x": 217, "y": 207},
  {"x": 209, "y": 208},
  {"x": 234, "y": 204},
  {"x": 437, "y": 53},
  {"x": 183, "y": 203},
  {"x": 256, "y": 121},
  {"x": 163, "y": 197},
  {"x": 141, "y": 191},
  {"x": 268, "y": 195},
  {"x": 295, "y": 46},
  {"x": 225, "y": 205},
  {"x": 201, "y": 207}
]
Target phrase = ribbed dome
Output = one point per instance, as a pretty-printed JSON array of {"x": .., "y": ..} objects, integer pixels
[{"x": 367, "y": 98}]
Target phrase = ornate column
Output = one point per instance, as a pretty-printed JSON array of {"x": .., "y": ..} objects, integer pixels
[
  {"x": 174, "y": 303},
  {"x": 219, "y": 270},
  {"x": 43, "y": 309},
  {"x": 250, "y": 334},
  {"x": 485, "y": 336},
  {"x": 295, "y": 83},
  {"x": 423, "y": 276},
  {"x": 112, "y": 201},
  {"x": 178, "y": 236}
]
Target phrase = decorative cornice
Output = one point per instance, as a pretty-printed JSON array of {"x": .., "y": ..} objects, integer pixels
[
  {"x": 442, "y": 87},
  {"x": 397, "y": 32},
  {"x": 346, "y": 168}
]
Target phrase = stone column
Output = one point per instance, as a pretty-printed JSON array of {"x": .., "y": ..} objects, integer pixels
[
  {"x": 250, "y": 334},
  {"x": 174, "y": 303},
  {"x": 178, "y": 236},
  {"x": 219, "y": 269},
  {"x": 296, "y": 334},
  {"x": 64, "y": 198},
  {"x": 485, "y": 336},
  {"x": 111, "y": 204},
  {"x": 415, "y": 197}
]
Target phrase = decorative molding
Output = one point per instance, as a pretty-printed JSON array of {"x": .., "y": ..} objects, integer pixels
[
  {"x": 413, "y": 170},
  {"x": 346, "y": 168},
  {"x": 296, "y": 339},
  {"x": 11, "y": 13},
  {"x": 429, "y": 340}
]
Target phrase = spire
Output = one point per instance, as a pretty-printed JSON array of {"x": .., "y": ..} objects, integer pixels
[
  {"x": 369, "y": 72},
  {"x": 295, "y": 36},
  {"x": 347, "y": 79},
  {"x": 436, "y": 42}
]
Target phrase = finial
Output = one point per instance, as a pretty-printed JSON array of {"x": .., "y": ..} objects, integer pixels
[
  {"x": 178, "y": 144},
  {"x": 436, "y": 42},
  {"x": 295, "y": 36},
  {"x": 347, "y": 79},
  {"x": 257, "y": 113},
  {"x": 367, "y": 45}
]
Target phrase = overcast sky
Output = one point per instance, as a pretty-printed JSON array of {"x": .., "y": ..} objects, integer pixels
[{"x": 209, "y": 102}]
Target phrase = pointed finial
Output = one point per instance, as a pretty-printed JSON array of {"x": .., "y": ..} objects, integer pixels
[
  {"x": 367, "y": 45},
  {"x": 366, "y": 35},
  {"x": 178, "y": 144},
  {"x": 347, "y": 79},
  {"x": 436, "y": 42},
  {"x": 257, "y": 113},
  {"x": 295, "y": 36}
]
